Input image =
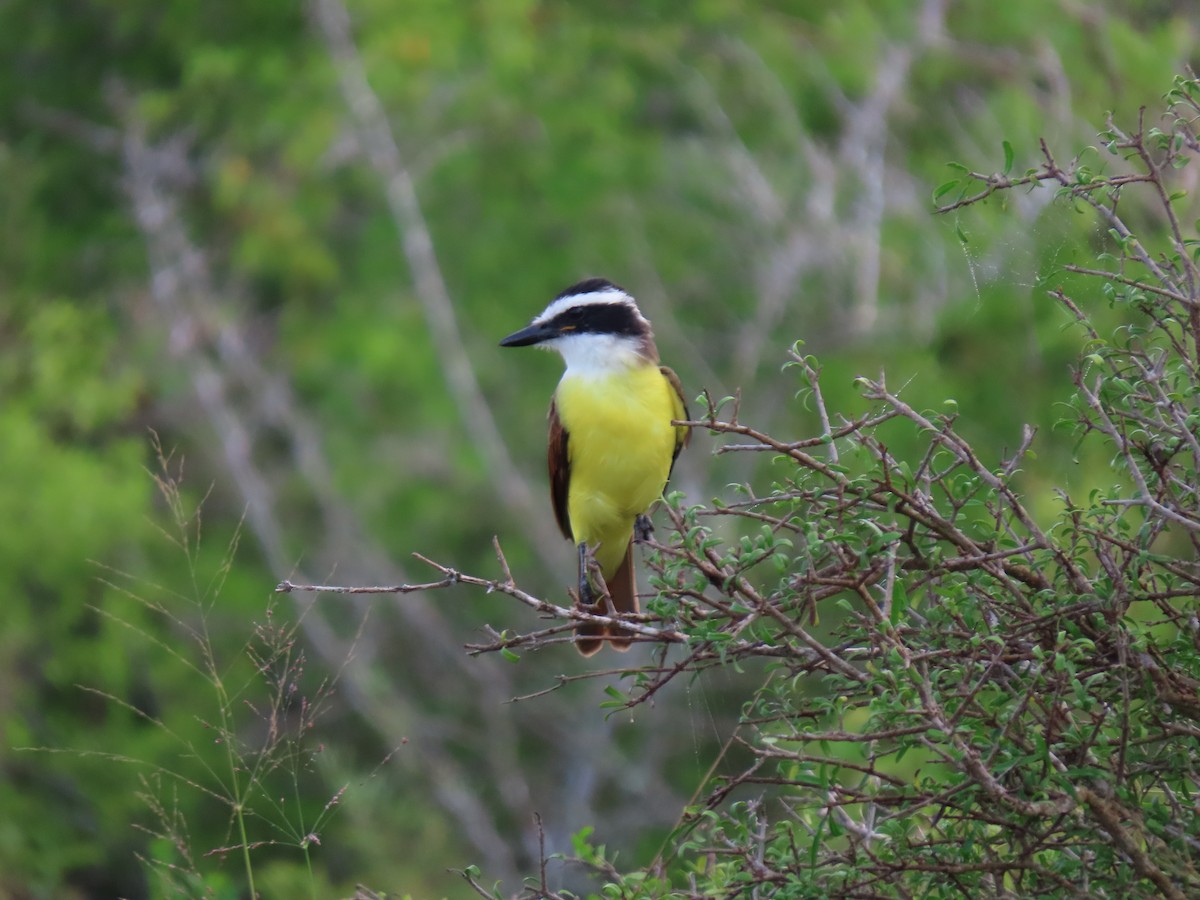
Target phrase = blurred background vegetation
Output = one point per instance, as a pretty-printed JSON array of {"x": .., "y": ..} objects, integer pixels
[{"x": 281, "y": 242}]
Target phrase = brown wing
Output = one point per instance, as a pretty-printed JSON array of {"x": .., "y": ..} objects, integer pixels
[
  {"x": 559, "y": 463},
  {"x": 683, "y": 434}
]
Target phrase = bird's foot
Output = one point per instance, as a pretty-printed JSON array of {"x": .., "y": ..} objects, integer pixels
[
  {"x": 587, "y": 597},
  {"x": 643, "y": 529}
]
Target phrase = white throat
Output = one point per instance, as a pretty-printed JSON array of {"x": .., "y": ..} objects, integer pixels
[{"x": 590, "y": 354}]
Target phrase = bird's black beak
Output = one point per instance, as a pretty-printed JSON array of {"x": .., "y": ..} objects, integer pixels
[{"x": 526, "y": 337}]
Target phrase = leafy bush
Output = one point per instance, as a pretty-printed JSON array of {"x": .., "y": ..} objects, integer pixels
[{"x": 960, "y": 696}]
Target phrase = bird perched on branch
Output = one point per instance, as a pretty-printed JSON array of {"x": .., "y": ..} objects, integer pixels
[{"x": 612, "y": 442}]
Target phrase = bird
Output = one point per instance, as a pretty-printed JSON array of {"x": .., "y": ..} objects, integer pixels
[{"x": 614, "y": 434}]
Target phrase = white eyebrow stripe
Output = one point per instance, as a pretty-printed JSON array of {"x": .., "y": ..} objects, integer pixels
[{"x": 592, "y": 298}]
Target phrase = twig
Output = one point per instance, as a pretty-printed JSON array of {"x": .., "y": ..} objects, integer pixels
[{"x": 506, "y": 587}]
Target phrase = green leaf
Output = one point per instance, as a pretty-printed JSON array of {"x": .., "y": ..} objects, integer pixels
[
  {"x": 899, "y": 603},
  {"x": 943, "y": 189}
]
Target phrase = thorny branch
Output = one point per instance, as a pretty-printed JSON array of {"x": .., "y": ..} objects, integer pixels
[{"x": 507, "y": 587}]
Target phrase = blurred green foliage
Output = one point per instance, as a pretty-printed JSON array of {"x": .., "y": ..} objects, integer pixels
[{"x": 741, "y": 168}]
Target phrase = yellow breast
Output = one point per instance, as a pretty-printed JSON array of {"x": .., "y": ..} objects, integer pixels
[{"x": 620, "y": 445}]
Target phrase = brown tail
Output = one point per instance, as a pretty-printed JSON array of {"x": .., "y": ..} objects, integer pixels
[{"x": 622, "y": 588}]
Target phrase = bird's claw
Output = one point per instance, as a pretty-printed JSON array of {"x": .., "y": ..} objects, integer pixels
[{"x": 643, "y": 528}]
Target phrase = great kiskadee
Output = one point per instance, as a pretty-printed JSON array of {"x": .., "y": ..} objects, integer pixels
[{"x": 612, "y": 444}]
